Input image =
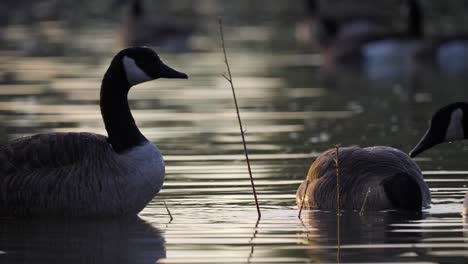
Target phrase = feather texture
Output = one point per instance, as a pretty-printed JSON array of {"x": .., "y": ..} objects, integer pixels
[
  {"x": 360, "y": 169},
  {"x": 76, "y": 174}
]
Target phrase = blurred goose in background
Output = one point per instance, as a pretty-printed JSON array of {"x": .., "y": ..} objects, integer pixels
[
  {"x": 380, "y": 55},
  {"x": 445, "y": 54},
  {"x": 143, "y": 29},
  {"x": 85, "y": 174},
  {"x": 325, "y": 29},
  {"x": 393, "y": 179},
  {"x": 449, "y": 123}
]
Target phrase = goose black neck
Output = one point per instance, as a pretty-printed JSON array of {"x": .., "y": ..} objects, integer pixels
[
  {"x": 464, "y": 108},
  {"x": 415, "y": 19},
  {"x": 312, "y": 7},
  {"x": 120, "y": 125},
  {"x": 137, "y": 8}
]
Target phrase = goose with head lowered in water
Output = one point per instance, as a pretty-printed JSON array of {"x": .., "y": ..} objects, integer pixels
[
  {"x": 449, "y": 123},
  {"x": 381, "y": 178},
  {"x": 85, "y": 174}
]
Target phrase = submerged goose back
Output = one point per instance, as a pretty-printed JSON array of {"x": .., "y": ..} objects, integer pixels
[
  {"x": 449, "y": 123},
  {"x": 85, "y": 174},
  {"x": 393, "y": 180}
]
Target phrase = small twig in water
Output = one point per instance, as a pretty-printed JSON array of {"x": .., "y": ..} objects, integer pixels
[
  {"x": 337, "y": 167},
  {"x": 361, "y": 212},
  {"x": 168, "y": 212},
  {"x": 228, "y": 77},
  {"x": 338, "y": 200}
]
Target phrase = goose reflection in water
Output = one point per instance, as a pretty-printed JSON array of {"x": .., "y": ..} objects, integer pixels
[
  {"x": 128, "y": 240},
  {"x": 363, "y": 238}
]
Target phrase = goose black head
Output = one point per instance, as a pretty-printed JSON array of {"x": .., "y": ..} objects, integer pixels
[
  {"x": 136, "y": 8},
  {"x": 447, "y": 124},
  {"x": 415, "y": 18},
  {"x": 312, "y": 7},
  {"x": 142, "y": 64}
]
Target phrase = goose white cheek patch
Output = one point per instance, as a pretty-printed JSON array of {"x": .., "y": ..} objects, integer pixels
[
  {"x": 135, "y": 74},
  {"x": 455, "y": 128}
]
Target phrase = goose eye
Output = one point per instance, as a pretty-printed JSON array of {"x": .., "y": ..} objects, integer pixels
[{"x": 144, "y": 64}]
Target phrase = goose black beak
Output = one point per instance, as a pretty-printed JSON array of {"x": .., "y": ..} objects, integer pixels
[
  {"x": 167, "y": 72},
  {"x": 427, "y": 141}
]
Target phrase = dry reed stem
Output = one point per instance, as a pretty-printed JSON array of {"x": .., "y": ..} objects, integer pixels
[
  {"x": 229, "y": 79},
  {"x": 338, "y": 200},
  {"x": 338, "y": 187}
]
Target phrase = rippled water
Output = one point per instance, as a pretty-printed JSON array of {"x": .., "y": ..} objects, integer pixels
[{"x": 290, "y": 114}]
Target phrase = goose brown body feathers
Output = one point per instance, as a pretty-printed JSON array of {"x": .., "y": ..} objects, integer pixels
[{"x": 394, "y": 180}]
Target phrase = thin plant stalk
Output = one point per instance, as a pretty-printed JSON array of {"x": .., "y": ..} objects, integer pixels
[
  {"x": 363, "y": 206},
  {"x": 228, "y": 77},
  {"x": 338, "y": 187},
  {"x": 338, "y": 200}
]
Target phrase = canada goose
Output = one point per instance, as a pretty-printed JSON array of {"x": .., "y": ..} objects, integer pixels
[
  {"x": 393, "y": 180},
  {"x": 325, "y": 29},
  {"x": 381, "y": 55},
  {"x": 139, "y": 28},
  {"x": 85, "y": 174},
  {"x": 445, "y": 54},
  {"x": 449, "y": 123}
]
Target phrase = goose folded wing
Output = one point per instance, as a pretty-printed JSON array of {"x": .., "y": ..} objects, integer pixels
[{"x": 46, "y": 153}]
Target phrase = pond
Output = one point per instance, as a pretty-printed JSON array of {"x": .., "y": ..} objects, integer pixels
[{"x": 50, "y": 72}]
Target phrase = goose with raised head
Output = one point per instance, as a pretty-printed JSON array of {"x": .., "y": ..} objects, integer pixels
[
  {"x": 389, "y": 179},
  {"x": 449, "y": 123},
  {"x": 381, "y": 55},
  {"x": 324, "y": 29},
  {"x": 142, "y": 26},
  {"x": 85, "y": 174}
]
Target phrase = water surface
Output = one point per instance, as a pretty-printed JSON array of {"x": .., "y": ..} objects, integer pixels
[{"x": 50, "y": 80}]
